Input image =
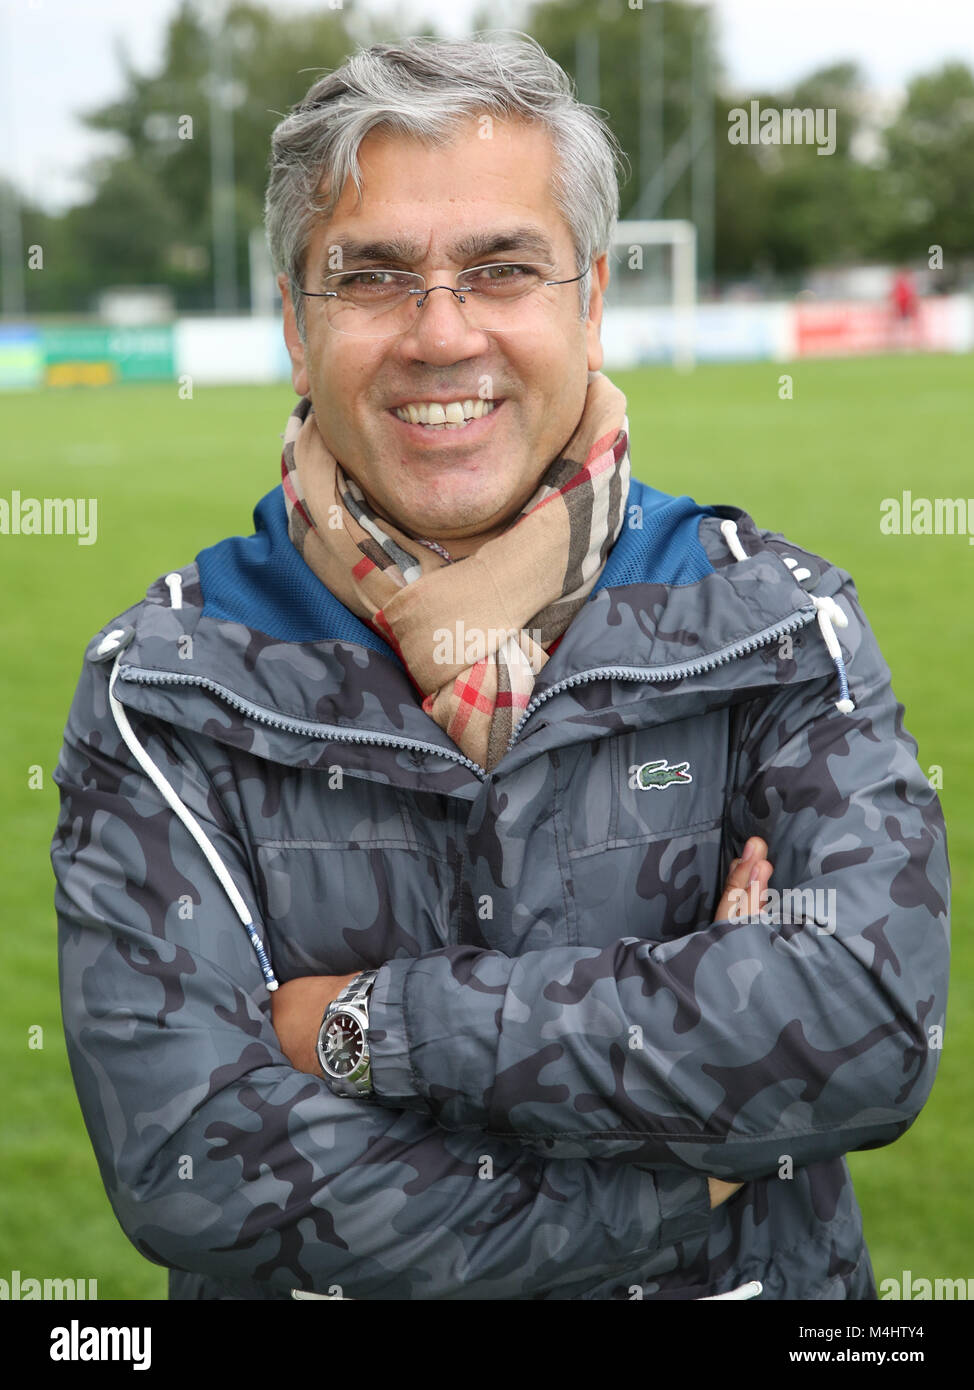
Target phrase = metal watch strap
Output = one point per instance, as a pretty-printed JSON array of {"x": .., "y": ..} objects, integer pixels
[{"x": 357, "y": 991}]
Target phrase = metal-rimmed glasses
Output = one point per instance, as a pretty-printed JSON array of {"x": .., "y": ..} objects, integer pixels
[{"x": 378, "y": 303}]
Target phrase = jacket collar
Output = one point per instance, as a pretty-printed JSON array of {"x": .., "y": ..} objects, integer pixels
[
  {"x": 263, "y": 582},
  {"x": 275, "y": 664}
]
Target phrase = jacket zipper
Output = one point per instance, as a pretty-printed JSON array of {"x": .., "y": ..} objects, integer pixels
[
  {"x": 140, "y": 676},
  {"x": 667, "y": 673}
]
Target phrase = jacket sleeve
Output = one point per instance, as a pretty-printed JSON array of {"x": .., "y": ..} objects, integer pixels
[
  {"x": 794, "y": 1033},
  {"x": 216, "y": 1155}
]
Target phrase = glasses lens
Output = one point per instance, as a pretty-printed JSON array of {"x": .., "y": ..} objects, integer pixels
[
  {"x": 372, "y": 303},
  {"x": 499, "y": 298}
]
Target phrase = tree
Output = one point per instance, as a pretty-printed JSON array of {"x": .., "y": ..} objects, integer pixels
[
  {"x": 149, "y": 218},
  {"x": 929, "y": 177},
  {"x": 786, "y": 207}
]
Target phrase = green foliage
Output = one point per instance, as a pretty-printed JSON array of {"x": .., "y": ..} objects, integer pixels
[
  {"x": 150, "y": 217},
  {"x": 777, "y": 209},
  {"x": 930, "y": 173}
]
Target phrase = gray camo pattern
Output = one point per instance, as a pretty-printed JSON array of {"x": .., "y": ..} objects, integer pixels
[{"x": 565, "y": 1045}]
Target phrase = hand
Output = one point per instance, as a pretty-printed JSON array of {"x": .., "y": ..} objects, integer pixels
[
  {"x": 297, "y": 1009},
  {"x": 720, "y": 1191},
  {"x": 746, "y": 881}
]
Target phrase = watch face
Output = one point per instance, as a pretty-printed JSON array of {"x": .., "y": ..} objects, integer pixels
[{"x": 343, "y": 1044}]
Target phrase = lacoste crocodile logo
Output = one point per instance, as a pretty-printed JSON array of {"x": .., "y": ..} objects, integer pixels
[{"x": 657, "y": 775}]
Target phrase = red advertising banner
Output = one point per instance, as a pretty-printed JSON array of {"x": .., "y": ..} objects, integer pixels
[{"x": 841, "y": 329}]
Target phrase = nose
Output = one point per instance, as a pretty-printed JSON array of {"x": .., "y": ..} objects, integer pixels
[{"x": 440, "y": 331}]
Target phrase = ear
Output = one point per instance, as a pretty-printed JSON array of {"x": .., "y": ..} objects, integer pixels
[
  {"x": 600, "y": 279},
  {"x": 295, "y": 347}
]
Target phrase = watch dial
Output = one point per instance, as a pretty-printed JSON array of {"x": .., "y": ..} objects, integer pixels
[{"x": 344, "y": 1044}]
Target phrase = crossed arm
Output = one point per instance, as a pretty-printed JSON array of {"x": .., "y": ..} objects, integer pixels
[
  {"x": 768, "y": 1035},
  {"x": 297, "y": 1007}
]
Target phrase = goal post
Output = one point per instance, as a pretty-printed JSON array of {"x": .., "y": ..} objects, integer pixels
[{"x": 662, "y": 289}]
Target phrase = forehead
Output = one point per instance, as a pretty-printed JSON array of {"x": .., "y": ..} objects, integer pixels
[{"x": 488, "y": 190}]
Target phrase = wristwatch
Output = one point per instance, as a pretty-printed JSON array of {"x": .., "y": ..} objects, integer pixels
[{"x": 343, "y": 1039}]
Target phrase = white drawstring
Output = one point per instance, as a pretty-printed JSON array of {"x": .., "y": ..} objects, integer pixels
[
  {"x": 829, "y": 612},
  {"x": 188, "y": 819},
  {"x": 175, "y": 582},
  {"x": 749, "y": 1290},
  {"x": 728, "y": 530},
  {"x": 329, "y": 1297}
]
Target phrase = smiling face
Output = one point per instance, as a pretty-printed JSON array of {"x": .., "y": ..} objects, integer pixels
[{"x": 459, "y": 487}]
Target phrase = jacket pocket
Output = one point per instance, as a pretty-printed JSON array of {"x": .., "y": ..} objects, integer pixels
[
  {"x": 670, "y": 780},
  {"x": 644, "y": 814},
  {"x": 351, "y": 874}
]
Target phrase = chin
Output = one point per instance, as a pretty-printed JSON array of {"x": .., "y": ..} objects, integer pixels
[{"x": 442, "y": 507}]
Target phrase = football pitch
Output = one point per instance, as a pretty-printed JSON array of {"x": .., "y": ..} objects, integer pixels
[{"x": 171, "y": 476}]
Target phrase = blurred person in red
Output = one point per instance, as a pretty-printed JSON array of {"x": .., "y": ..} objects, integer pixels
[{"x": 905, "y": 305}]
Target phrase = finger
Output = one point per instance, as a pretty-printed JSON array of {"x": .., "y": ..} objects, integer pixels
[
  {"x": 755, "y": 849},
  {"x": 757, "y": 887},
  {"x": 739, "y": 875},
  {"x": 735, "y": 902},
  {"x": 745, "y": 886}
]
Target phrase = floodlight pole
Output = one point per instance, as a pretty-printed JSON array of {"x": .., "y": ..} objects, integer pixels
[
  {"x": 702, "y": 126},
  {"x": 11, "y": 253},
  {"x": 221, "y": 167},
  {"x": 651, "y": 92},
  {"x": 12, "y": 300},
  {"x": 587, "y": 66}
]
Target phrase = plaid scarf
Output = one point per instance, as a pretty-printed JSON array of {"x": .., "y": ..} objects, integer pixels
[{"x": 473, "y": 633}]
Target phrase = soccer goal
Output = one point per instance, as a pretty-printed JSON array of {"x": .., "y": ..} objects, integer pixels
[{"x": 651, "y": 300}]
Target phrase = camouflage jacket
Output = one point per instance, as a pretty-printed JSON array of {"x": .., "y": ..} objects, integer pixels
[{"x": 565, "y": 1044}]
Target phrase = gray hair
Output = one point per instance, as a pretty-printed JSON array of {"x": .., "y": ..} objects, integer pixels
[{"x": 426, "y": 88}]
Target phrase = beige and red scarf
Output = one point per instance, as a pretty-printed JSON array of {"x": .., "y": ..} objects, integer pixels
[{"x": 473, "y": 633}]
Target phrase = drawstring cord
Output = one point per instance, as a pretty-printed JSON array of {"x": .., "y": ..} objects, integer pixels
[
  {"x": 828, "y": 612},
  {"x": 192, "y": 825},
  {"x": 728, "y": 529},
  {"x": 175, "y": 583},
  {"x": 752, "y": 1289},
  {"x": 109, "y": 643}
]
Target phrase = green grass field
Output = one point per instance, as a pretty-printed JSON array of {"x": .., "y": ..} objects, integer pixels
[{"x": 172, "y": 476}]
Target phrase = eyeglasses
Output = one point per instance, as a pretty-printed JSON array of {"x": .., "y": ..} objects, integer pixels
[{"x": 378, "y": 303}]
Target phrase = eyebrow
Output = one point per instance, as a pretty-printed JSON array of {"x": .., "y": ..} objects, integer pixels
[{"x": 398, "y": 251}]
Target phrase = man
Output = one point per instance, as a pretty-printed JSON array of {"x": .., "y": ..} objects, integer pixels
[{"x": 414, "y": 862}]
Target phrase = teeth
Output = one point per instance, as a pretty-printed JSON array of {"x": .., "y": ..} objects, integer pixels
[{"x": 453, "y": 416}]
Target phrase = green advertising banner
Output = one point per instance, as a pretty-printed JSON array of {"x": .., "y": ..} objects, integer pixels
[{"x": 95, "y": 355}]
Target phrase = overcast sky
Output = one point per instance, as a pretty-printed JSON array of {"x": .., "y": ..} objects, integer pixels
[{"x": 58, "y": 57}]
